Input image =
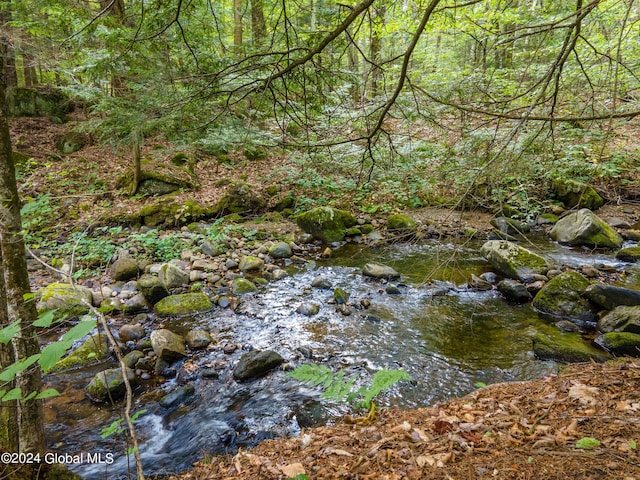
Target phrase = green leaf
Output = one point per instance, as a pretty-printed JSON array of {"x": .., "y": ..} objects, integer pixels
[
  {"x": 79, "y": 331},
  {"x": 479, "y": 384},
  {"x": 52, "y": 353},
  {"x": 632, "y": 444},
  {"x": 48, "y": 393},
  {"x": 587, "y": 443},
  {"x": 139, "y": 413},
  {"x": 10, "y": 331},
  {"x": 383, "y": 380},
  {"x": 13, "y": 394},
  {"x": 111, "y": 429},
  {"x": 45, "y": 319},
  {"x": 12, "y": 370}
]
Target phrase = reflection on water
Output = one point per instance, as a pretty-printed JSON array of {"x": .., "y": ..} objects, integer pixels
[{"x": 445, "y": 336}]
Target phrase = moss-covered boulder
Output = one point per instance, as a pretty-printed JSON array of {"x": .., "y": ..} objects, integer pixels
[
  {"x": 37, "y": 102},
  {"x": 249, "y": 263},
  {"x": 620, "y": 343},
  {"x": 280, "y": 250},
  {"x": 109, "y": 385},
  {"x": 167, "y": 212},
  {"x": 183, "y": 304},
  {"x": 401, "y": 223},
  {"x": 325, "y": 223},
  {"x": 577, "y": 194},
  {"x": 240, "y": 198},
  {"x": 93, "y": 350},
  {"x": 242, "y": 286},
  {"x": 585, "y": 228},
  {"x": 562, "y": 297},
  {"x": 621, "y": 319},
  {"x": 566, "y": 347},
  {"x": 69, "y": 300},
  {"x": 70, "y": 142},
  {"x": 514, "y": 261},
  {"x": 629, "y": 254}
]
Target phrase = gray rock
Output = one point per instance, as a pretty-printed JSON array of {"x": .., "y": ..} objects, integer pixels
[
  {"x": 168, "y": 345},
  {"x": 152, "y": 288},
  {"x": 620, "y": 343},
  {"x": 278, "y": 274},
  {"x": 477, "y": 283},
  {"x": 250, "y": 263},
  {"x": 510, "y": 226},
  {"x": 172, "y": 276},
  {"x": 585, "y": 228},
  {"x": 325, "y": 223},
  {"x": 340, "y": 295},
  {"x": 281, "y": 250},
  {"x": 514, "y": 261},
  {"x": 198, "y": 338},
  {"x": 124, "y": 268},
  {"x": 321, "y": 282},
  {"x": 608, "y": 296},
  {"x": 135, "y": 304},
  {"x": 308, "y": 309},
  {"x": 108, "y": 385},
  {"x": 621, "y": 319},
  {"x": 179, "y": 395},
  {"x": 209, "y": 249},
  {"x": 379, "y": 271},
  {"x": 131, "y": 332},
  {"x": 256, "y": 364},
  {"x": 514, "y": 291},
  {"x": 132, "y": 358}
]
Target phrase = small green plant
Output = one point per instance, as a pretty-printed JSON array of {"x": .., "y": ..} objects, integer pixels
[
  {"x": 116, "y": 428},
  {"x": 336, "y": 388},
  {"x": 632, "y": 444},
  {"x": 588, "y": 443}
]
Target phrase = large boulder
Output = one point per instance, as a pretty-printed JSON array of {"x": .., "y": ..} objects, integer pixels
[
  {"x": 585, "y": 228},
  {"x": 609, "y": 297},
  {"x": 67, "y": 299},
  {"x": 108, "y": 385},
  {"x": 125, "y": 267},
  {"x": 401, "y": 223},
  {"x": 562, "y": 297},
  {"x": 629, "y": 254},
  {"x": 256, "y": 364},
  {"x": 514, "y": 261},
  {"x": 621, "y": 319},
  {"x": 577, "y": 194},
  {"x": 183, "y": 304},
  {"x": 167, "y": 345},
  {"x": 37, "y": 102},
  {"x": 325, "y": 223}
]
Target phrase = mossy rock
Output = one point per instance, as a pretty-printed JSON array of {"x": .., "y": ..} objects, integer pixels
[
  {"x": 401, "y": 223},
  {"x": 165, "y": 212},
  {"x": 563, "y": 297},
  {"x": 568, "y": 347},
  {"x": 254, "y": 153},
  {"x": 70, "y": 142},
  {"x": 37, "y": 102},
  {"x": 326, "y": 224},
  {"x": 242, "y": 286},
  {"x": 152, "y": 288},
  {"x": 286, "y": 203},
  {"x": 585, "y": 228},
  {"x": 513, "y": 261},
  {"x": 576, "y": 194},
  {"x": 72, "y": 301},
  {"x": 94, "y": 350},
  {"x": 620, "y": 343},
  {"x": 183, "y": 304},
  {"x": 109, "y": 385},
  {"x": 629, "y": 254},
  {"x": 240, "y": 198}
]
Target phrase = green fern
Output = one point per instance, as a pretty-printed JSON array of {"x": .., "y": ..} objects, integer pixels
[{"x": 336, "y": 388}]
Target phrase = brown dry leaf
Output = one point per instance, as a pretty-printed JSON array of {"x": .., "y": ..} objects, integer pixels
[
  {"x": 584, "y": 394},
  {"x": 293, "y": 469},
  {"x": 441, "y": 426},
  {"x": 337, "y": 451}
]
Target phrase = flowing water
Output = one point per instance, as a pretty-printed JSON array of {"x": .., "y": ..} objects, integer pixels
[{"x": 447, "y": 337}]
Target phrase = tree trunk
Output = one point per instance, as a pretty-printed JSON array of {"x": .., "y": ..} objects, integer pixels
[
  {"x": 258, "y": 26},
  {"x": 30, "y": 414},
  {"x": 375, "y": 48},
  {"x": 6, "y": 49},
  {"x": 29, "y": 68},
  {"x": 237, "y": 26}
]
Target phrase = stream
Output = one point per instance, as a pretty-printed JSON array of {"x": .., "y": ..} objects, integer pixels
[{"x": 447, "y": 337}]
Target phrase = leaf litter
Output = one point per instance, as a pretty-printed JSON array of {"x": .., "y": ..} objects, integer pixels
[{"x": 520, "y": 430}]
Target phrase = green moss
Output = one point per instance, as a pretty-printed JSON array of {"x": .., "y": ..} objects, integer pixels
[
  {"x": 621, "y": 343},
  {"x": 93, "y": 350},
  {"x": 629, "y": 254},
  {"x": 401, "y": 222},
  {"x": 183, "y": 304},
  {"x": 242, "y": 286},
  {"x": 577, "y": 194},
  {"x": 325, "y": 223},
  {"x": 71, "y": 301},
  {"x": 513, "y": 260},
  {"x": 562, "y": 297},
  {"x": 565, "y": 347}
]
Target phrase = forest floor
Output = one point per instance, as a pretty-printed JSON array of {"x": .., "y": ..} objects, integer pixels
[{"x": 581, "y": 424}]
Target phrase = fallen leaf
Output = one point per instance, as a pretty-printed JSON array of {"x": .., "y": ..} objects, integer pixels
[
  {"x": 293, "y": 469},
  {"x": 441, "y": 426},
  {"x": 584, "y": 394}
]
